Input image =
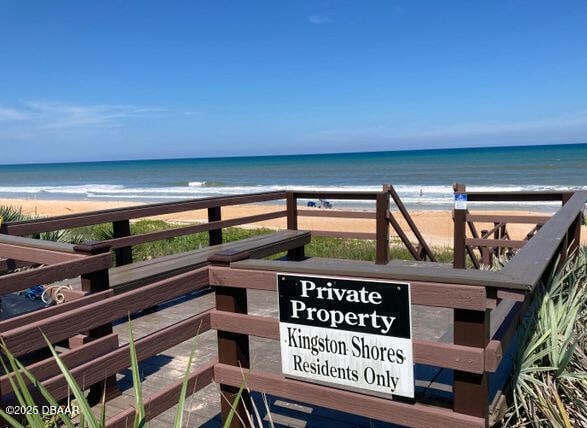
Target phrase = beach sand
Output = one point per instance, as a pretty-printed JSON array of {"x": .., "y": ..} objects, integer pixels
[{"x": 435, "y": 226}]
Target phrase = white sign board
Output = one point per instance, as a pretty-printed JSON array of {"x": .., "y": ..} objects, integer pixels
[
  {"x": 348, "y": 332},
  {"x": 460, "y": 201}
]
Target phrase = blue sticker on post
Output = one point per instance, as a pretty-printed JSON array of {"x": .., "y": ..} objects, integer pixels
[{"x": 460, "y": 201}]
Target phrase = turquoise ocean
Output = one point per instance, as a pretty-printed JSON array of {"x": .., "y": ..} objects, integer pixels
[{"x": 423, "y": 178}]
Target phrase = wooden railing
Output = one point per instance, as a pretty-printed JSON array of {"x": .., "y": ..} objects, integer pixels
[
  {"x": 53, "y": 262},
  {"x": 497, "y": 240},
  {"x": 483, "y": 302},
  {"x": 123, "y": 241}
]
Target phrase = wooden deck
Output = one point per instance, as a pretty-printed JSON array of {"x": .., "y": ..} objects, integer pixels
[
  {"x": 203, "y": 408},
  {"x": 483, "y": 309}
]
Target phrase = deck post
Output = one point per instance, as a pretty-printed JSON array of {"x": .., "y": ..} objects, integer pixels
[
  {"x": 94, "y": 282},
  {"x": 486, "y": 254},
  {"x": 295, "y": 254},
  {"x": 292, "y": 211},
  {"x": 459, "y": 217},
  {"x": 381, "y": 228},
  {"x": 121, "y": 228},
  {"x": 471, "y": 390},
  {"x": 233, "y": 348},
  {"x": 215, "y": 235}
]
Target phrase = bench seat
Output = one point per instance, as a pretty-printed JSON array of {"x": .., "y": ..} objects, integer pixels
[{"x": 131, "y": 276}]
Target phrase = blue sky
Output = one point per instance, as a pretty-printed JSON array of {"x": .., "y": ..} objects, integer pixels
[{"x": 101, "y": 80}]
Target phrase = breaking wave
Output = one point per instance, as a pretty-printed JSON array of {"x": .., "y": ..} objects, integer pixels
[{"x": 421, "y": 196}]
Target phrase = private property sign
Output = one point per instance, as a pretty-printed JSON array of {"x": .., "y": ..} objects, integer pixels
[{"x": 348, "y": 332}]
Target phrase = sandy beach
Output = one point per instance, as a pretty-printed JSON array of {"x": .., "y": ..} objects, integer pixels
[{"x": 436, "y": 226}]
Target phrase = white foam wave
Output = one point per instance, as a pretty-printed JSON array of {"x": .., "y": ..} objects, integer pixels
[{"x": 415, "y": 195}]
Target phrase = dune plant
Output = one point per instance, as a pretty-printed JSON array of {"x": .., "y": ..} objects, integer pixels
[
  {"x": 10, "y": 213},
  {"x": 29, "y": 392},
  {"x": 550, "y": 378},
  {"x": 18, "y": 375}
]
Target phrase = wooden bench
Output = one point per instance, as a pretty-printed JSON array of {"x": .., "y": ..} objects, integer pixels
[{"x": 131, "y": 276}]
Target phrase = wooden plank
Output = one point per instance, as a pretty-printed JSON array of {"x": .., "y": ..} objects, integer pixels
[
  {"x": 459, "y": 234},
  {"x": 493, "y": 231},
  {"x": 110, "y": 215},
  {"x": 423, "y": 293},
  {"x": 61, "y": 247},
  {"x": 505, "y": 243},
  {"x": 72, "y": 358},
  {"x": 531, "y": 262},
  {"x": 348, "y": 235},
  {"x": 438, "y": 354},
  {"x": 471, "y": 390},
  {"x": 289, "y": 239},
  {"x": 48, "y": 274},
  {"x": 413, "y": 415},
  {"x": 59, "y": 327},
  {"x": 214, "y": 235},
  {"x": 165, "y": 398},
  {"x": 113, "y": 362},
  {"x": 35, "y": 255},
  {"x": 516, "y": 196},
  {"x": 11, "y": 264},
  {"x": 470, "y": 251},
  {"x": 493, "y": 356},
  {"x": 128, "y": 277},
  {"x": 355, "y": 268},
  {"x": 515, "y": 295},
  {"x": 188, "y": 230},
  {"x": 336, "y": 213},
  {"x": 516, "y": 219},
  {"x": 292, "y": 211},
  {"x": 505, "y": 331},
  {"x": 233, "y": 349},
  {"x": 41, "y": 314},
  {"x": 382, "y": 228},
  {"x": 123, "y": 255}
]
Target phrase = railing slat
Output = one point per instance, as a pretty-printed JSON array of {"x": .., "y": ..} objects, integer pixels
[
  {"x": 414, "y": 415},
  {"x": 108, "y": 216},
  {"x": 423, "y": 293},
  {"x": 438, "y": 354}
]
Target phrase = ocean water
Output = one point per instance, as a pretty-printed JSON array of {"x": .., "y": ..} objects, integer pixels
[{"x": 423, "y": 178}]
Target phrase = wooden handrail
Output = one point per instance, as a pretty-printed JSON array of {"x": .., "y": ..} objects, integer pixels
[
  {"x": 117, "y": 214},
  {"x": 502, "y": 243},
  {"x": 517, "y": 196},
  {"x": 188, "y": 230},
  {"x": 517, "y": 219},
  {"x": 54, "y": 272},
  {"x": 533, "y": 259},
  {"x": 37, "y": 243},
  {"x": 354, "y": 268}
]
